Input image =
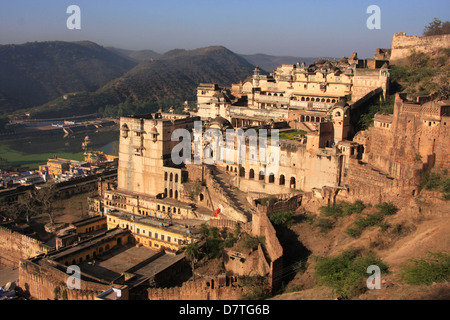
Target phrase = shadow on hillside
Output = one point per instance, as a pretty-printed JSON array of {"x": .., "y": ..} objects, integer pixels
[{"x": 295, "y": 254}]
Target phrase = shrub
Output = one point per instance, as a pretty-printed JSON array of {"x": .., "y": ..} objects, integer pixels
[
  {"x": 357, "y": 207},
  {"x": 342, "y": 209},
  {"x": 325, "y": 224},
  {"x": 331, "y": 211},
  {"x": 430, "y": 181},
  {"x": 282, "y": 218},
  {"x": 251, "y": 243},
  {"x": 256, "y": 287},
  {"x": 435, "y": 267},
  {"x": 346, "y": 272},
  {"x": 267, "y": 201},
  {"x": 386, "y": 208},
  {"x": 364, "y": 222}
]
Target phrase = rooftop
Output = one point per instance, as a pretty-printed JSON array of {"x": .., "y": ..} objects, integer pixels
[{"x": 175, "y": 227}]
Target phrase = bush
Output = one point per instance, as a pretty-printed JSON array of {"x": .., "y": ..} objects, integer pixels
[
  {"x": 364, "y": 222},
  {"x": 342, "y": 209},
  {"x": 374, "y": 219},
  {"x": 331, "y": 211},
  {"x": 357, "y": 207},
  {"x": 325, "y": 224},
  {"x": 346, "y": 273},
  {"x": 437, "y": 181},
  {"x": 386, "y": 208},
  {"x": 282, "y": 218},
  {"x": 435, "y": 267},
  {"x": 251, "y": 243}
]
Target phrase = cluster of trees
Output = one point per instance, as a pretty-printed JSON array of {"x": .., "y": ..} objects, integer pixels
[
  {"x": 139, "y": 107},
  {"x": 33, "y": 203},
  {"x": 437, "y": 27}
]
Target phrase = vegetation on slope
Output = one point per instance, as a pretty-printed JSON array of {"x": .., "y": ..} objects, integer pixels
[
  {"x": 164, "y": 82},
  {"x": 435, "y": 267},
  {"x": 346, "y": 273},
  {"x": 34, "y": 73}
]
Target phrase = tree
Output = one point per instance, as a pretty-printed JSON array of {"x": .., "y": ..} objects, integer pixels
[
  {"x": 42, "y": 201},
  {"x": 437, "y": 27},
  {"x": 192, "y": 252}
]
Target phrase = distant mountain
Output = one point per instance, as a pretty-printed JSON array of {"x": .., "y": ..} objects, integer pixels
[
  {"x": 34, "y": 73},
  {"x": 136, "y": 55},
  {"x": 269, "y": 63},
  {"x": 177, "y": 73},
  {"x": 173, "y": 75}
]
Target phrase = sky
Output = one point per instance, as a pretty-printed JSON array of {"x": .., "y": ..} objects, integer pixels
[{"x": 332, "y": 28}]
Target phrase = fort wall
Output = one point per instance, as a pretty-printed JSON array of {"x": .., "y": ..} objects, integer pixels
[
  {"x": 218, "y": 288},
  {"x": 45, "y": 282},
  {"x": 15, "y": 246},
  {"x": 402, "y": 45}
]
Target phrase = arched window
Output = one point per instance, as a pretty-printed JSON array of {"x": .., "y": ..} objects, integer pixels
[
  {"x": 171, "y": 176},
  {"x": 165, "y": 176},
  {"x": 282, "y": 180},
  {"x": 261, "y": 175},
  {"x": 242, "y": 172},
  {"x": 176, "y": 194},
  {"x": 176, "y": 178},
  {"x": 292, "y": 183},
  {"x": 271, "y": 178},
  {"x": 251, "y": 174}
]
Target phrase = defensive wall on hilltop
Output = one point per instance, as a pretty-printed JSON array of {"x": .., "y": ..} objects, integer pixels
[{"x": 402, "y": 45}]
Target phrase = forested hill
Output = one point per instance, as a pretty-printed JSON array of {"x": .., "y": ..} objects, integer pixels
[
  {"x": 173, "y": 76},
  {"x": 34, "y": 73},
  {"x": 177, "y": 73}
]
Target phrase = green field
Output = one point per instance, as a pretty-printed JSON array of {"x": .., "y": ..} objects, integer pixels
[
  {"x": 32, "y": 160},
  {"x": 292, "y": 134},
  {"x": 33, "y": 151}
]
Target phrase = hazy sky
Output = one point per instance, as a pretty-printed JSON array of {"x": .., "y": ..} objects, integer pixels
[{"x": 282, "y": 27}]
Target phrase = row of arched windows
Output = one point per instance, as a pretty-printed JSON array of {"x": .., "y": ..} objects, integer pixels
[
  {"x": 170, "y": 193},
  {"x": 170, "y": 177},
  {"x": 261, "y": 176}
]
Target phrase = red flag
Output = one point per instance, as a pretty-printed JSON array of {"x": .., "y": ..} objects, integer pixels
[{"x": 216, "y": 213}]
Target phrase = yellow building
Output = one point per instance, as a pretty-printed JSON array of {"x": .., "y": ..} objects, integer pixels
[
  {"x": 151, "y": 232},
  {"x": 89, "y": 224},
  {"x": 58, "y": 166}
]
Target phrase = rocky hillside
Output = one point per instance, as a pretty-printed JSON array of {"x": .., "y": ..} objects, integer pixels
[{"x": 408, "y": 242}]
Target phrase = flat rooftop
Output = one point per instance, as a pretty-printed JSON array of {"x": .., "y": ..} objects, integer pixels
[
  {"x": 139, "y": 263},
  {"x": 176, "y": 227},
  {"x": 111, "y": 265}
]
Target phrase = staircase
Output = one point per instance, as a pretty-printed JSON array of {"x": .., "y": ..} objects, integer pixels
[{"x": 230, "y": 193}]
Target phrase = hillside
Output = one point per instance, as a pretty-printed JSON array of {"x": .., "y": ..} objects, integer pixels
[
  {"x": 34, "y": 73},
  {"x": 136, "y": 55},
  {"x": 269, "y": 63},
  {"x": 175, "y": 75},
  {"x": 398, "y": 240}
]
